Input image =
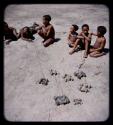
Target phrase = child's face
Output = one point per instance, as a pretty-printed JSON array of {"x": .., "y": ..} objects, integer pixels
[
  {"x": 98, "y": 33},
  {"x": 45, "y": 22},
  {"x": 72, "y": 29},
  {"x": 85, "y": 30}
]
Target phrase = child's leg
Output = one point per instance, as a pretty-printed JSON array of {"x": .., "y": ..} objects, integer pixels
[
  {"x": 40, "y": 33},
  {"x": 75, "y": 46},
  {"x": 17, "y": 35},
  {"x": 48, "y": 42},
  {"x": 87, "y": 43},
  {"x": 91, "y": 50},
  {"x": 97, "y": 54}
]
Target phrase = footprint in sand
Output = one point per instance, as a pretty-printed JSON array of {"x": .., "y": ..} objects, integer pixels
[
  {"x": 78, "y": 101},
  {"x": 53, "y": 72},
  {"x": 80, "y": 74},
  {"x": 67, "y": 78},
  {"x": 43, "y": 81},
  {"x": 85, "y": 88}
]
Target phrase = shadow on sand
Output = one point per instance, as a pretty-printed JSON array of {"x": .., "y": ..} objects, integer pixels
[
  {"x": 106, "y": 50},
  {"x": 57, "y": 39}
]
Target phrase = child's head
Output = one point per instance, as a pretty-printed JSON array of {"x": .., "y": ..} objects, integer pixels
[
  {"x": 101, "y": 30},
  {"x": 85, "y": 28},
  {"x": 74, "y": 28},
  {"x": 5, "y": 25},
  {"x": 26, "y": 29},
  {"x": 46, "y": 19}
]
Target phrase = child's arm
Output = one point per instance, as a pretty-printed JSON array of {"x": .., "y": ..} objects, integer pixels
[
  {"x": 95, "y": 34},
  {"x": 87, "y": 38},
  {"x": 50, "y": 30},
  {"x": 80, "y": 37},
  {"x": 15, "y": 33},
  {"x": 38, "y": 28},
  {"x": 68, "y": 38}
]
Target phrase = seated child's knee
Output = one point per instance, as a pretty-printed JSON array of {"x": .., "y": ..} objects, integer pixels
[{"x": 45, "y": 44}]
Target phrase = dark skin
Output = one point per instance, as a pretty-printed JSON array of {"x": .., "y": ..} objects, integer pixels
[
  {"x": 72, "y": 39},
  {"x": 46, "y": 31},
  {"x": 10, "y": 34},
  {"x": 26, "y": 35},
  {"x": 101, "y": 41},
  {"x": 86, "y": 39}
]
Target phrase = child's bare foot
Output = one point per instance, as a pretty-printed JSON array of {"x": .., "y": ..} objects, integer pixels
[
  {"x": 72, "y": 51},
  {"x": 85, "y": 55}
]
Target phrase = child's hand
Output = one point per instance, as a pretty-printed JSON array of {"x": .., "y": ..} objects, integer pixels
[
  {"x": 95, "y": 34},
  {"x": 83, "y": 34},
  {"x": 91, "y": 33}
]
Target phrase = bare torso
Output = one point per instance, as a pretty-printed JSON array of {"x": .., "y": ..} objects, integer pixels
[
  {"x": 48, "y": 29},
  {"x": 72, "y": 37},
  {"x": 98, "y": 42}
]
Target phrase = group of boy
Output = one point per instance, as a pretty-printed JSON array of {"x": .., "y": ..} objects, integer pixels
[{"x": 77, "y": 41}]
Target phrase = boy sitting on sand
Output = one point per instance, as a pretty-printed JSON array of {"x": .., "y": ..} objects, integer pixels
[
  {"x": 27, "y": 33},
  {"x": 73, "y": 35},
  {"x": 46, "y": 31},
  {"x": 84, "y": 41},
  {"x": 10, "y": 33},
  {"x": 97, "y": 49}
]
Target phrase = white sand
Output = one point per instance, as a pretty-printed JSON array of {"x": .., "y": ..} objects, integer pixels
[{"x": 25, "y": 63}]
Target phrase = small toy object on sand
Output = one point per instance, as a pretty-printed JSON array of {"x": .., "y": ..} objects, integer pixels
[
  {"x": 43, "y": 81},
  {"x": 77, "y": 101},
  {"x": 85, "y": 88},
  {"x": 80, "y": 74},
  {"x": 68, "y": 78},
  {"x": 61, "y": 100}
]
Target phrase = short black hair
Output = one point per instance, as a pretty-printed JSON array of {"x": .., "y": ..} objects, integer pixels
[
  {"x": 26, "y": 27},
  {"x": 47, "y": 17},
  {"x": 5, "y": 24},
  {"x": 75, "y": 26},
  {"x": 85, "y": 25},
  {"x": 102, "y": 29}
]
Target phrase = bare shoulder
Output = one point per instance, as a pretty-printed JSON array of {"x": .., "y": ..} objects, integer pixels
[
  {"x": 104, "y": 40},
  {"x": 101, "y": 40},
  {"x": 50, "y": 26}
]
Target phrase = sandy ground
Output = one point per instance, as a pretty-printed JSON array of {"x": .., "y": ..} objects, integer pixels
[{"x": 25, "y": 63}]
